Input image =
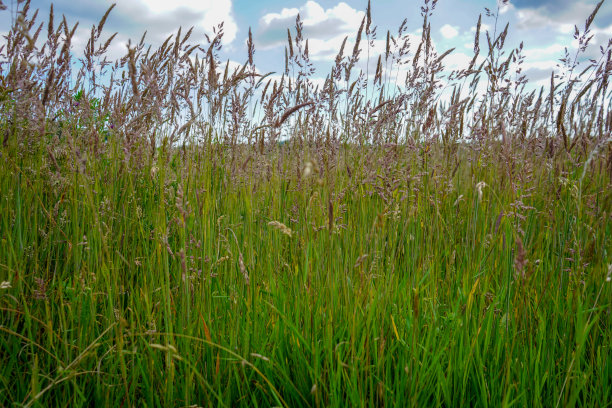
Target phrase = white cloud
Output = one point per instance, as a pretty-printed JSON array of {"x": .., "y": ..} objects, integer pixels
[
  {"x": 554, "y": 50},
  {"x": 285, "y": 14},
  {"x": 159, "y": 19},
  {"x": 559, "y": 17},
  {"x": 164, "y": 17},
  {"x": 547, "y": 65},
  {"x": 483, "y": 27},
  {"x": 566, "y": 28},
  {"x": 506, "y": 8},
  {"x": 325, "y": 28},
  {"x": 457, "y": 60},
  {"x": 448, "y": 31},
  {"x": 532, "y": 18},
  {"x": 325, "y": 49}
]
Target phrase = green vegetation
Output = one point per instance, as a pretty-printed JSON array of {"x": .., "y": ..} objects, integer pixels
[{"x": 387, "y": 270}]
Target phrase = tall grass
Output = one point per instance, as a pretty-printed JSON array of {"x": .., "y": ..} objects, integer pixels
[{"x": 160, "y": 246}]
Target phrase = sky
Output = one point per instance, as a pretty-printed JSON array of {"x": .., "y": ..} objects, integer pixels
[{"x": 545, "y": 27}]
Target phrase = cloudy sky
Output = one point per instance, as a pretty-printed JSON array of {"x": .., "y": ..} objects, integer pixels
[{"x": 545, "y": 26}]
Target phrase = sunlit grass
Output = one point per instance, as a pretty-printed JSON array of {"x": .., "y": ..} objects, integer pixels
[{"x": 180, "y": 289}]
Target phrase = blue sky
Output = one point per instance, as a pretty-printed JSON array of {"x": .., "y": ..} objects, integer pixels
[{"x": 545, "y": 26}]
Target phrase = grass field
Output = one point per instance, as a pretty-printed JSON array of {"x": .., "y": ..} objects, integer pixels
[{"x": 146, "y": 261}]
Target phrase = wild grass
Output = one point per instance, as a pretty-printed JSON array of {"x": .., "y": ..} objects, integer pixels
[{"x": 160, "y": 247}]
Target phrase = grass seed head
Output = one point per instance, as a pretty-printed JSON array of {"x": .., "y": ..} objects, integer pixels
[
  {"x": 479, "y": 187},
  {"x": 281, "y": 227}
]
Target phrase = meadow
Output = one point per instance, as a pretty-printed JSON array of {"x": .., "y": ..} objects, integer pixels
[{"x": 178, "y": 232}]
